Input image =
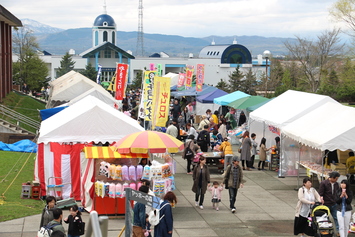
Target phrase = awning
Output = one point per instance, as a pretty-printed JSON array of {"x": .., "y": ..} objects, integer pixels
[{"x": 106, "y": 152}]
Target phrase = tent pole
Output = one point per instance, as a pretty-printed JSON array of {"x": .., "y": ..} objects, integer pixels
[{"x": 299, "y": 163}]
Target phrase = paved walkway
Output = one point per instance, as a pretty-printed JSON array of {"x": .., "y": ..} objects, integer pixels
[{"x": 265, "y": 207}]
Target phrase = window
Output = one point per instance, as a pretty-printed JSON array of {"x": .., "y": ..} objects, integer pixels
[
  {"x": 107, "y": 53},
  {"x": 96, "y": 37},
  {"x": 105, "y": 36},
  {"x": 113, "y": 37}
]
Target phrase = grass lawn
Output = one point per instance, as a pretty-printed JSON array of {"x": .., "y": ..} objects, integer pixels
[{"x": 14, "y": 207}]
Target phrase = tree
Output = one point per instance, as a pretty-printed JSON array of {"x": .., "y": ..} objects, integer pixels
[
  {"x": 343, "y": 11},
  {"x": 329, "y": 85},
  {"x": 29, "y": 68},
  {"x": 90, "y": 72},
  {"x": 235, "y": 80},
  {"x": 66, "y": 65},
  {"x": 250, "y": 83},
  {"x": 316, "y": 57},
  {"x": 137, "y": 82},
  {"x": 346, "y": 89},
  {"x": 286, "y": 83},
  {"x": 222, "y": 85}
]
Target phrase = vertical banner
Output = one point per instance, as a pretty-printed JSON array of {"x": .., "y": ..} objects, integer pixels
[
  {"x": 121, "y": 76},
  {"x": 161, "y": 101},
  {"x": 148, "y": 94},
  {"x": 181, "y": 81},
  {"x": 98, "y": 74},
  {"x": 159, "y": 70},
  {"x": 200, "y": 76},
  {"x": 189, "y": 74},
  {"x": 151, "y": 67}
]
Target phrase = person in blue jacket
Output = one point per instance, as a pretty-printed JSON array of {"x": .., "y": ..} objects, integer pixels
[
  {"x": 165, "y": 226},
  {"x": 139, "y": 218}
]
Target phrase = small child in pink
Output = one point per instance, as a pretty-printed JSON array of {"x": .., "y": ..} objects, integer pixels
[{"x": 215, "y": 190}]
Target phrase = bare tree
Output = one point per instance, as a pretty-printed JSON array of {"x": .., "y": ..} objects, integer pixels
[
  {"x": 316, "y": 57},
  {"x": 344, "y": 11}
]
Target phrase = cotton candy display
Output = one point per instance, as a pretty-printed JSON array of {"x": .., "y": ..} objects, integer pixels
[
  {"x": 132, "y": 173},
  {"x": 125, "y": 185},
  {"x": 132, "y": 186},
  {"x": 112, "y": 171},
  {"x": 125, "y": 175},
  {"x": 118, "y": 190},
  {"x": 112, "y": 190},
  {"x": 139, "y": 184},
  {"x": 118, "y": 173},
  {"x": 107, "y": 189},
  {"x": 139, "y": 172},
  {"x": 146, "y": 172}
]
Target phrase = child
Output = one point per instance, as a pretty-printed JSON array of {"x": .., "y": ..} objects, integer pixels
[
  {"x": 215, "y": 190},
  {"x": 74, "y": 220},
  {"x": 147, "y": 230}
]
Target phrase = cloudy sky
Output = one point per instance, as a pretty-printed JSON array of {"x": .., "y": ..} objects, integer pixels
[{"x": 195, "y": 18}]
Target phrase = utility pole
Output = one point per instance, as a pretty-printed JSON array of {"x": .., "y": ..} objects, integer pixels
[{"x": 140, "y": 48}]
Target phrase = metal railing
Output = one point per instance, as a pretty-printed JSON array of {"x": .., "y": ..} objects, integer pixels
[{"x": 20, "y": 119}]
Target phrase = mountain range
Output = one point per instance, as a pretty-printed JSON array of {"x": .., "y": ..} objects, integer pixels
[{"x": 58, "y": 41}]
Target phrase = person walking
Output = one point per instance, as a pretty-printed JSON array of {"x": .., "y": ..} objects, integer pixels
[
  {"x": 74, "y": 220},
  {"x": 344, "y": 197},
  {"x": 226, "y": 148},
  {"x": 165, "y": 226},
  {"x": 307, "y": 196},
  {"x": 203, "y": 139},
  {"x": 201, "y": 178},
  {"x": 246, "y": 153},
  {"x": 216, "y": 191},
  {"x": 262, "y": 154},
  {"x": 233, "y": 180},
  {"x": 327, "y": 191},
  {"x": 189, "y": 152},
  {"x": 56, "y": 222}
]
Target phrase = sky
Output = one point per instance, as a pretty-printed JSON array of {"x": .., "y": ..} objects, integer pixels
[{"x": 189, "y": 18}]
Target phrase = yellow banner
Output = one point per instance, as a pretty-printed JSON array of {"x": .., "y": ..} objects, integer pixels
[
  {"x": 161, "y": 101},
  {"x": 148, "y": 94}
]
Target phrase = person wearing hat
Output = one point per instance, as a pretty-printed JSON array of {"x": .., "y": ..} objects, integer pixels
[
  {"x": 233, "y": 180},
  {"x": 327, "y": 191}
]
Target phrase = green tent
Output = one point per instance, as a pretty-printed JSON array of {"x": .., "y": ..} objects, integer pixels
[{"x": 246, "y": 102}]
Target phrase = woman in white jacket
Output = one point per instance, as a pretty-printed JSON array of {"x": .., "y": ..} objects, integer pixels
[{"x": 307, "y": 196}]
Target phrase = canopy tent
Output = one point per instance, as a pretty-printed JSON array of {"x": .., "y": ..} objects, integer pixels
[
  {"x": 226, "y": 99},
  {"x": 192, "y": 91},
  {"x": 209, "y": 97},
  {"x": 68, "y": 87},
  {"x": 246, "y": 102},
  {"x": 63, "y": 135},
  {"x": 46, "y": 113},
  {"x": 254, "y": 107},
  {"x": 331, "y": 126},
  {"x": 288, "y": 107},
  {"x": 102, "y": 95},
  {"x": 88, "y": 120},
  {"x": 174, "y": 78}
]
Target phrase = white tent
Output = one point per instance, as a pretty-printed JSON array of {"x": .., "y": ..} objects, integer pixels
[
  {"x": 174, "y": 78},
  {"x": 69, "y": 86},
  {"x": 102, "y": 95},
  {"x": 288, "y": 107},
  {"x": 88, "y": 120},
  {"x": 328, "y": 127}
]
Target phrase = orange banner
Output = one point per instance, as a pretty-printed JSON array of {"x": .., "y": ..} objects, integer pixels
[
  {"x": 200, "y": 76},
  {"x": 189, "y": 74},
  {"x": 121, "y": 78}
]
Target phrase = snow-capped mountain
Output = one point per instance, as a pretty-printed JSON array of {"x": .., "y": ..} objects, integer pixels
[{"x": 38, "y": 28}]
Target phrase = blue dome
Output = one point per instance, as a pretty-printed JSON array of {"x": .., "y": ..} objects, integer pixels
[{"x": 104, "y": 20}]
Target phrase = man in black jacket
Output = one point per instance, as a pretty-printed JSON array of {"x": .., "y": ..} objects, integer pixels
[{"x": 203, "y": 139}]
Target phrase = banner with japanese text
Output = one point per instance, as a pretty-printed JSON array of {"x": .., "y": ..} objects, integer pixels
[
  {"x": 151, "y": 66},
  {"x": 160, "y": 70},
  {"x": 121, "y": 78},
  {"x": 189, "y": 74},
  {"x": 161, "y": 101},
  {"x": 200, "y": 76},
  {"x": 148, "y": 94},
  {"x": 181, "y": 80}
]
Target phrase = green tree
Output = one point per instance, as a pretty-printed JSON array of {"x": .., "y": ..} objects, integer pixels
[
  {"x": 137, "y": 81},
  {"x": 222, "y": 85},
  {"x": 329, "y": 85},
  {"x": 343, "y": 11},
  {"x": 250, "y": 83},
  {"x": 235, "y": 80},
  {"x": 346, "y": 89},
  {"x": 29, "y": 68},
  {"x": 66, "y": 65},
  {"x": 286, "y": 83},
  {"x": 90, "y": 72}
]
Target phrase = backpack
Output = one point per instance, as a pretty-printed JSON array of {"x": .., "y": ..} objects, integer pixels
[
  {"x": 46, "y": 231},
  {"x": 202, "y": 136},
  {"x": 188, "y": 152},
  {"x": 154, "y": 216}
]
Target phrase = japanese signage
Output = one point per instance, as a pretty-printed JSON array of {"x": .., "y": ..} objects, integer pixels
[
  {"x": 121, "y": 75},
  {"x": 161, "y": 100},
  {"x": 144, "y": 198},
  {"x": 189, "y": 74},
  {"x": 159, "y": 70},
  {"x": 181, "y": 81},
  {"x": 200, "y": 76},
  {"x": 148, "y": 94},
  {"x": 151, "y": 66}
]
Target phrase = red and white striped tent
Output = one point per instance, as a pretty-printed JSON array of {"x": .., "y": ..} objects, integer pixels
[{"x": 64, "y": 135}]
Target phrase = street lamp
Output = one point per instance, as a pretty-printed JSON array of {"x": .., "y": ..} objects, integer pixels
[{"x": 267, "y": 55}]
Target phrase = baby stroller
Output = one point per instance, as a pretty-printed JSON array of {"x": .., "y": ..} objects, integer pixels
[{"x": 322, "y": 222}]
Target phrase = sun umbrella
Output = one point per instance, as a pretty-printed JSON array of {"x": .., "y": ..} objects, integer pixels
[
  {"x": 148, "y": 141},
  {"x": 246, "y": 102}
]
